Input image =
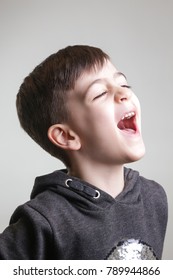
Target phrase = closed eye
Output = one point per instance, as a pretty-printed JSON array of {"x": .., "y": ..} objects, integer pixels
[
  {"x": 100, "y": 95},
  {"x": 126, "y": 86}
]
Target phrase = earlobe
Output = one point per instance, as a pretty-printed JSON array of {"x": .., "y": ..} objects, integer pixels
[{"x": 62, "y": 136}]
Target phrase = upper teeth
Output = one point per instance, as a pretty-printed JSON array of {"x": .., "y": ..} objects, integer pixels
[{"x": 128, "y": 115}]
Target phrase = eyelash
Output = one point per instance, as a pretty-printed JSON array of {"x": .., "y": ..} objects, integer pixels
[
  {"x": 103, "y": 93},
  {"x": 126, "y": 86}
]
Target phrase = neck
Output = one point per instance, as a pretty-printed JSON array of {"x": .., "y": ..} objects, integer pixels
[{"x": 107, "y": 178}]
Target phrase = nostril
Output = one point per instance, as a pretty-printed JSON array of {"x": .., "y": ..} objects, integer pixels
[{"x": 123, "y": 99}]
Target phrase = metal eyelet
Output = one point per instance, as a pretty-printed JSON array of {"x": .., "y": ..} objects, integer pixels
[
  {"x": 67, "y": 181},
  {"x": 97, "y": 195}
]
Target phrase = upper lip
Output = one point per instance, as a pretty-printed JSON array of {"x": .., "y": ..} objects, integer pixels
[{"x": 127, "y": 113}]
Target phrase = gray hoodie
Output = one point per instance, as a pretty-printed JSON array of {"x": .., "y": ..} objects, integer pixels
[{"x": 67, "y": 218}]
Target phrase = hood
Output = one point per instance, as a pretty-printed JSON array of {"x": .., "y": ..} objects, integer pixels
[{"x": 72, "y": 187}]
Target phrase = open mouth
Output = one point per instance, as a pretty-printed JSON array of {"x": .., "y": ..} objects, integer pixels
[{"x": 128, "y": 123}]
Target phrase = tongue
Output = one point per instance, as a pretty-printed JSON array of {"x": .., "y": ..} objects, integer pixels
[{"x": 127, "y": 124}]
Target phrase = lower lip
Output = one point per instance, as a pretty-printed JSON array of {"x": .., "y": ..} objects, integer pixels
[{"x": 130, "y": 132}]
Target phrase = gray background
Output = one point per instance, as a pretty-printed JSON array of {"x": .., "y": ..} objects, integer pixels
[{"x": 137, "y": 34}]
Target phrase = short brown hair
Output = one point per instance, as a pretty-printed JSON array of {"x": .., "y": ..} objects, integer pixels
[{"x": 41, "y": 100}]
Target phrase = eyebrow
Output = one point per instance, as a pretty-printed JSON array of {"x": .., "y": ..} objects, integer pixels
[{"x": 116, "y": 75}]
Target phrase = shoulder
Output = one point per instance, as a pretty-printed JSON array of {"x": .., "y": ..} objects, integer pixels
[
  {"x": 146, "y": 186},
  {"x": 152, "y": 187},
  {"x": 151, "y": 192},
  {"x": 154, "y": 194},
  {"x": 31, "y": 211},
  {"x": 44, "y": 207}
]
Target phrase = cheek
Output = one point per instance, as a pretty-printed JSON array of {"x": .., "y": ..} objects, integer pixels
[
  {"x": 91, "y": 121},
  {"x": 136, "y": 102},
  {"x": 101, "y": 116}
]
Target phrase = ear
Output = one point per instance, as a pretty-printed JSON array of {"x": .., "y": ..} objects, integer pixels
[{"x": 62, "y": 136}]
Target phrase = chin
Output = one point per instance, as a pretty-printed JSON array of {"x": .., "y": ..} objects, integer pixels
[{"x": 136, "y": 155}]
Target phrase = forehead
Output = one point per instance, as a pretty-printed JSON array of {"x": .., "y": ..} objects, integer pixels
[{"x": 98, "y": 74}]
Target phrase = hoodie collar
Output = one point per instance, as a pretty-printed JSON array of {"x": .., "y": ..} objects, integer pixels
[{"x": 57, "y": 179}]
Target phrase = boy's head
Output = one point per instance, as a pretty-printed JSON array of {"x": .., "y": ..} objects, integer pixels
[
  {"x": 42, "y": 98},
  {"x": 78, "y": 107}
]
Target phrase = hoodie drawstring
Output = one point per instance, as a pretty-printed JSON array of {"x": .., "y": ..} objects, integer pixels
[{"x": 82, "y": 188}]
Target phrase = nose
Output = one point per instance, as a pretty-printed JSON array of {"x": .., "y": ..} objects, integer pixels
[{"x": 122, "y": 93}]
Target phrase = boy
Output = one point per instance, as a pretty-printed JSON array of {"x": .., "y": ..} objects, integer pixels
[{"x": 78, "y": 107}]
